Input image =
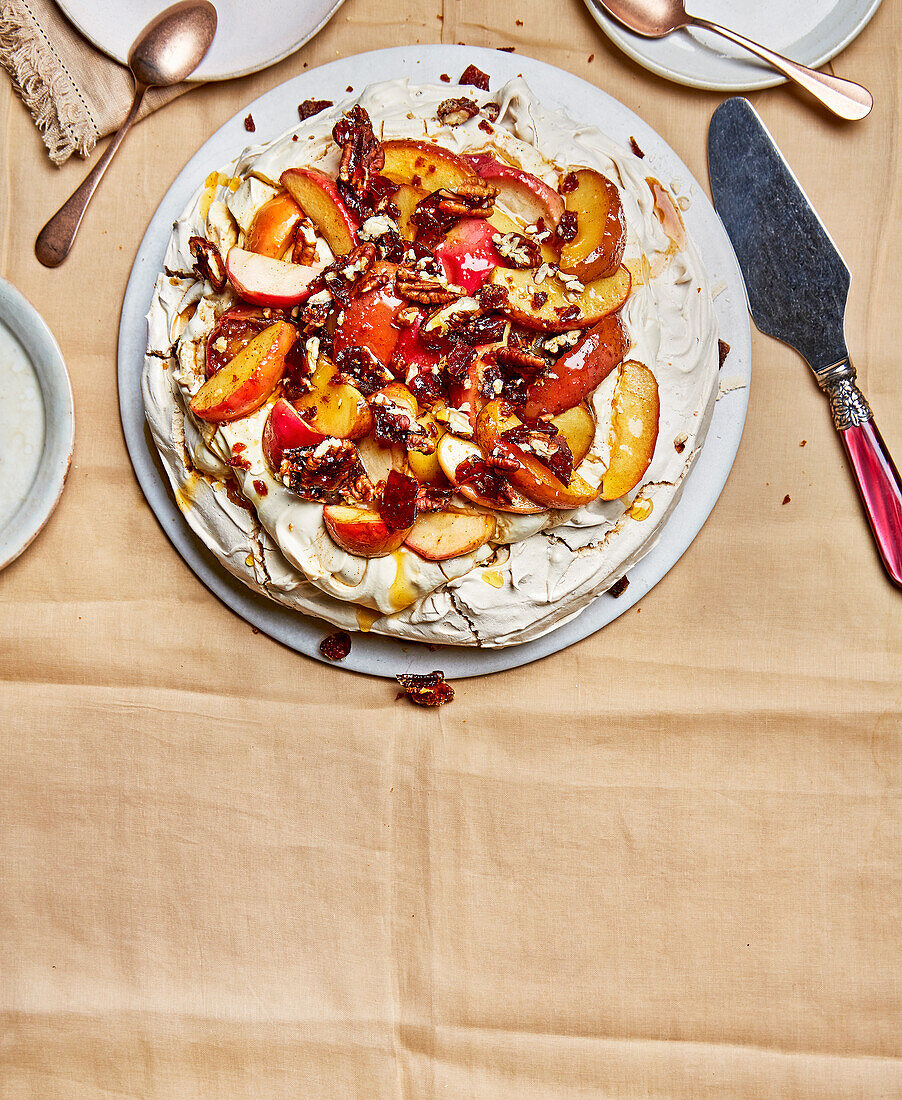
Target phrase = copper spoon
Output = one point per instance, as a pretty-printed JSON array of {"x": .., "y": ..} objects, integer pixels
[
  {"x": 168, "y": 50},
  {"x": 657, "y": 18}
]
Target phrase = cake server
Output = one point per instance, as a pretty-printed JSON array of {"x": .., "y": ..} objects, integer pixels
[{"x": 797, "y": 284}]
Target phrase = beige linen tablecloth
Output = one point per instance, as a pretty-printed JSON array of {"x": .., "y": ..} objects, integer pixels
[{"x": 664, "y": 863}]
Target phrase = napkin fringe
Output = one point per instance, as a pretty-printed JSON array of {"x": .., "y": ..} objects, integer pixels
[{"x": 40, "y": 79}]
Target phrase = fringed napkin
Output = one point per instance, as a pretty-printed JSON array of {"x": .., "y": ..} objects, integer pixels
[{"x": 75, "y": 93}]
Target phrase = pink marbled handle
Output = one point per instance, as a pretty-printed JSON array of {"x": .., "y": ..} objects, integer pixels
[{"x": 881, "y": 491}]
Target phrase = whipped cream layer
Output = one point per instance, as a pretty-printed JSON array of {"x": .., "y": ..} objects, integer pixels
[{"x": 542, "y": 569}]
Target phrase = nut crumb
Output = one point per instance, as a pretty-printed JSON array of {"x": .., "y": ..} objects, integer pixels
[
  {"x": 445, "y": 79},
  {"x": 803, "y": 443},
  {"x": 475, "y": 77},
  {"x": 249, "y": 124},
  {"x": 428, "y": 689},
  {"x": 619, "y": 587},
  {"x": 637, "y": 152},
  {"x": 787, "y": 499},
  {"x": 591, "y": 58},
  {"x": 311, "y": 107}
]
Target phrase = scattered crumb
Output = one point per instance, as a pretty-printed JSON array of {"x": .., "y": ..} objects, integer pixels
[
  {"x": 723, "y": 350},
  {"x": 336, "y": 646},
  {"x": 350, "y": 88},
  {"x": 427, "y": 689},
  {"x": 679, "y": 444},
  {"x": 311, "y": 107},
  {"x": 506, "y": 49},
  {"x": 787, "y": 499},
  {"x": 254, "y": 630},
  {"x": 803, "y": 443},
  {"x": 619, "y": 587},
  {"x": 475, "y": 77},
  {"x": 637, "y": 152},
  {"x": 519, "y": 22},
  {"x": 591, "y": 58},
  {"x": 249, "y": 124},
  {"x": 445, "y": 78},
  {"x": 727, "y": 385},
  {"x": 718, "y": 288}
]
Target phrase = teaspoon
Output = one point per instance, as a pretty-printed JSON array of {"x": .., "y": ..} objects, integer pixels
[
  {"x": 658, "y": 18},
  {"x": 168, "y": 50}
]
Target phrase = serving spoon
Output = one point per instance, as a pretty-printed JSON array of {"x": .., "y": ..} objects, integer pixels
[
  {"x": 658, "y": 18},
  {"x": 168, "y": 50}
]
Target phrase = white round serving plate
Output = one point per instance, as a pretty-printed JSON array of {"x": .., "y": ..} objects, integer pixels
[
  {"x": 32, "y": 368},
  {"x": 249, "y": 37},
  {"x": 276, "y": 112},
  {"x": 808, "y": 31}
]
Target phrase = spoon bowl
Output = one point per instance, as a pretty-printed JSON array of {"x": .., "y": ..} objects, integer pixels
[{"x": 166, "y": 51}]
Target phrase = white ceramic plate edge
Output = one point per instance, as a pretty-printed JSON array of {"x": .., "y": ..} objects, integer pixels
[
  {"x": 39, "y": 343},
  {"x": 201, "y": 75},
  {"x": 276, "y": 111}
]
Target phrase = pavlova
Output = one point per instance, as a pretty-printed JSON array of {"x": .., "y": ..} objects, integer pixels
[{"x": 435, "y": 363}]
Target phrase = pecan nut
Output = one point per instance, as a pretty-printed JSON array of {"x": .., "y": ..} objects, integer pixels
[
  {"x": 416, "y": 287},
  {"x": 208, "y": 263},
  {"x": 454, "y": 112}
]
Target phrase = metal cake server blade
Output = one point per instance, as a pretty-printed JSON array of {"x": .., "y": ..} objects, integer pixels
[{"x": 797, "y": 284}]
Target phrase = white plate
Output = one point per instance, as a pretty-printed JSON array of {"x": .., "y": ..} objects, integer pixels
[
  {"x": 277, "y": 111},
  {"x": 37, "y": 424},
  {"x": 249, "y": 37},
  {"x": 809, "y": 31}
]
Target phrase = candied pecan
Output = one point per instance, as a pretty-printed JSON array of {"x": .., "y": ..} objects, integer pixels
[
  {"x": 546, "y": 444},
  {"x": 485, "y": 329},
  {"x": 507, "y": 463},
  {"x": 491, "y": 111},
  {"x": 374, "y": 279},
  {"x": 467, "y": 200},
  {"x": 568, "y": 183},
  {"x": 237, "y": 460},
  {"x": 566, "y": 228},
  {"x": 417, "y": 287},
  {"x": 311, "y": 107},
  {"x": 723, "y": 350},
  {"x": 324, "y": 472},
  {"x": 431, "y": 223},
  {"x": 432, "y": 499},
  {"x": 571, "y": 313},
  {"x": 453, "y": 112},
  {"x": 519, "y": 358},
  {"x": 208, "y": 264},
  {"x": 346, "y": 273},
  {"x": 304, "y": 249},
  {"x": 362, "y": 159},
  {"x": 406, "y": 316},
  {"x": 391, "y": 424},
  {"x": 316, "y": 311},
  {"x": 397, "y": 502},
  {"x": 249, "y": 124},
  {"x": 486, "y": 127},
  {"x": 476, "y": 78},
  {"x": 634, "y": 145},
  {"x": 336, "y": 647},
  {"x": 539, "y": 299},
  {"x": 261, "y": 487},
  {"x": 619, "y": 587},
  {"x": 360, "y": 368},
  {"x": 428, "y": 689}
]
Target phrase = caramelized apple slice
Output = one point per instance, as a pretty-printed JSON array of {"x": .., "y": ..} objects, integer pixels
[
  {"x": 367, "y": 321},
  {"x": 379, "y": 460},
  {"x": 422, "y": 164},
  {"x": 559, "y": 312},
  {"x": 452, "y": 452},
  {"x": 634, "y": 429},
  {"x": 577, "y": 426},
  {"x": 438, "y": 536},
  {"x": 273, "y": 227},
  {"x": 580, "y": 371},
  {"x": 468, "y": 253},
  {"x": 245, "y": 383},
  {"x": 532, "y": 477},
  {"x": 332, "y": 407},
  {"x": 284, "y": 428},
  {"x": 318, "y": 197},
  {"x": 525, "y": 195},
  {"x": 504, "y": 224},
  {"x": 268, "y": 282},
  {"x": 361, "y": 531},
  {"x": 426, "y": 468},
  {"x": 597, "y": 249},
  {"x": 406, "y": 198}
]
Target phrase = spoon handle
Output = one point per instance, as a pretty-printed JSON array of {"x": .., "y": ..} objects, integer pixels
[
  {"x": 843, "y": 97},
  {"x": 55, "y": 239}
]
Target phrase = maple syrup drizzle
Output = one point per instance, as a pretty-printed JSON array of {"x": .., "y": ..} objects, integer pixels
[
  {"x": 641, "y": 508},
  {"x": 366, "y": 616}
]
